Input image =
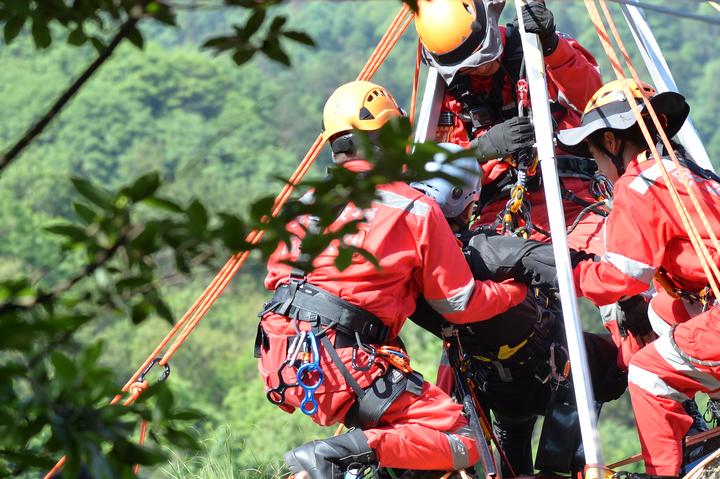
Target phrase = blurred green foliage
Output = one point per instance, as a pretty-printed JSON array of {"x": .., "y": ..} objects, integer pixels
[{"x": 219, "y": 135}]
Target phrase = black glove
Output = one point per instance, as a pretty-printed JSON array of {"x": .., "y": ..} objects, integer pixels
[
  {"x": 578, "y": 256},
  {"x": 633, "y": 317},
  {"x": 505, "y": 138},
  {"x": 538, "y": 19},
  {"x": 539, "y": 266},
  {"x": 505, "y": 257}
]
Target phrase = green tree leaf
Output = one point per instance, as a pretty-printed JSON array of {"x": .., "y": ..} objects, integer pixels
[
  {"x": 162, "y": 204},
  {"x": 13, "y": 27},
  {"x": 136, "y": 38},
  {"x": 144, "y": 187},
  {"x": 254, "y": 22},
  {"x": 64, "y": 368},
  {"x": 84, "y": 212},
  {"x": 300, "y": 37},
  {"x": 41, "y": 33},
  {"x": 77, "y": 36},
  {"x": 197, "y": 216},
  {"x": 97, "y": 195},
  {"x": 70, "y": 231}
]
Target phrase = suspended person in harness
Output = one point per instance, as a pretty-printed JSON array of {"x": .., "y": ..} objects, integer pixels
[
  {"x": 647, "y": 242},
  {"x": 482, "y": 66},
  {"x": 342, "y": 326},
  {"x": 517, "y": 360}
]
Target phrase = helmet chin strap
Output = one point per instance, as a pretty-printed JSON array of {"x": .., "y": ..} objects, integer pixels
[
  {"x": 616, "y": 159},
  {"x": 457, "y": 225}
]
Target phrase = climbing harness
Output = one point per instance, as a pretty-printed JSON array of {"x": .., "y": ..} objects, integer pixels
[
  {"x": 354, "y": 327},
  {"x": 703, "y": 296}
]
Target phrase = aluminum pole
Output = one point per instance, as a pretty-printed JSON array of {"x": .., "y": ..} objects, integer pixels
[
  {"x": 664, "y": 81},
  {"x": 535, "y": 68},
  {"x": 430, "y": 106}
]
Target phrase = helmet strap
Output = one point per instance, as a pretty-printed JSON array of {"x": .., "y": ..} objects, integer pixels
[
  {"x": 343, "y": 144},
  {"x": 457, "y": 225},
  {"x": 616, "y": 159}
]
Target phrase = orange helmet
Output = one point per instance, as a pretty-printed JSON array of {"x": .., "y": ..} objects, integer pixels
[
  {"x": 359, "y": 105},
  {"x": 452, "y": 30}
]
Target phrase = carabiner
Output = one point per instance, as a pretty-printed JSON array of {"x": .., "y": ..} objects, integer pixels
[{"x": 308, "y": 368}]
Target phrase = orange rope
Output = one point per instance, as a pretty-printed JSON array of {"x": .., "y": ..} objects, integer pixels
[
  {"x": 384, "y": 49},
  {"x": 385, "y": 38},
  {"x": 143, "y": 431},
  {"x": 690, "y": 186},
  {"x": 192, "y": 317},
  {"x": 416, "y": 81},
  {"x": 56, "y": 468},
  {"x": 387, "y": 42},
  {"x": 701, "y": 250}
]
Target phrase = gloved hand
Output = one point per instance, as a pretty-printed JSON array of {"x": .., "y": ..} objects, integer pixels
[
  {"x": 538, "y": 19},
  {"x": 502, "y": 257},
  {"x": 505, "y": 138},
  {"x": 633, "y": 317},
  {"x": 578, "y": 256},
  {"x": 539, "y": 267}
]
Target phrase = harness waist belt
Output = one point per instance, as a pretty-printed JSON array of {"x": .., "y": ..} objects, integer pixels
[{"x": 306, "y": 302}]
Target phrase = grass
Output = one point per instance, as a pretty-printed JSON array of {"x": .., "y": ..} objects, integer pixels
[{"x": 217, "y": 460}]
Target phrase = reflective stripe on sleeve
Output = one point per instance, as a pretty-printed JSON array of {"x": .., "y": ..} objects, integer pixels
[
  {"x": 456, "y": 303},
  {"x": 647, "y": 178},
  {"x": 653, "y": 384},
  {"x": 631, "y": 267},
  {"x": 659, "y": 325},
  {"x": 682, "y": 365},
  {"x": 460, "y": 456},
  {"x": 394, "y": 200}
]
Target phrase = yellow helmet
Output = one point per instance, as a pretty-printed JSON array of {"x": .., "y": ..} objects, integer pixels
[
  {"x": 609, "y": 108},
  {"x": 451, "y": 30},
  {"x": 614, "y": 91},
  {"x": 359, "y": 105}
]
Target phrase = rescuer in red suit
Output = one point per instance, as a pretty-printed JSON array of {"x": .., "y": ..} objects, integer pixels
[
  {"x": 480, "y": 63},
  {"x": 647, "y": 242},
  {"x": 398, "y": 419}
]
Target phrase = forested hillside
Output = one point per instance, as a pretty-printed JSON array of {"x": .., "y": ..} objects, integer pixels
[{"x": 229, "y": 134}]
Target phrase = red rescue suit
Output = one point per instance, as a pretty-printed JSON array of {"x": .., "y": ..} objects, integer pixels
[
  {"x": 418, "y": 254},
  {"x": 573, "y": 77},
  {"x": 661, "y": 379},
  {"x": 643, "y": 234}
]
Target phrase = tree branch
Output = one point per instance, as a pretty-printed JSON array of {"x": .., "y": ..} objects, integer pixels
[
  {"x": 125, "y": 29},
  {"x": 100, "y": 259}
]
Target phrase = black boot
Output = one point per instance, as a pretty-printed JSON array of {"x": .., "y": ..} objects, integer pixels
[{"x": 329, "y": 458}]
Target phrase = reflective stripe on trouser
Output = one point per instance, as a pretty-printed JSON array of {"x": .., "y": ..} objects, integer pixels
[
  {"x": 423, "y": 432},
  {"x": 660, "y": 379}
]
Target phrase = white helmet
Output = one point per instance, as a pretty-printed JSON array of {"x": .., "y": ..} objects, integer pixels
[{"x": 453, "y": 199}]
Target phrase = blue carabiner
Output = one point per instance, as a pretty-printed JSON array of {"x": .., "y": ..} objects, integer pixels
[{"x": 306, "y": 369}]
